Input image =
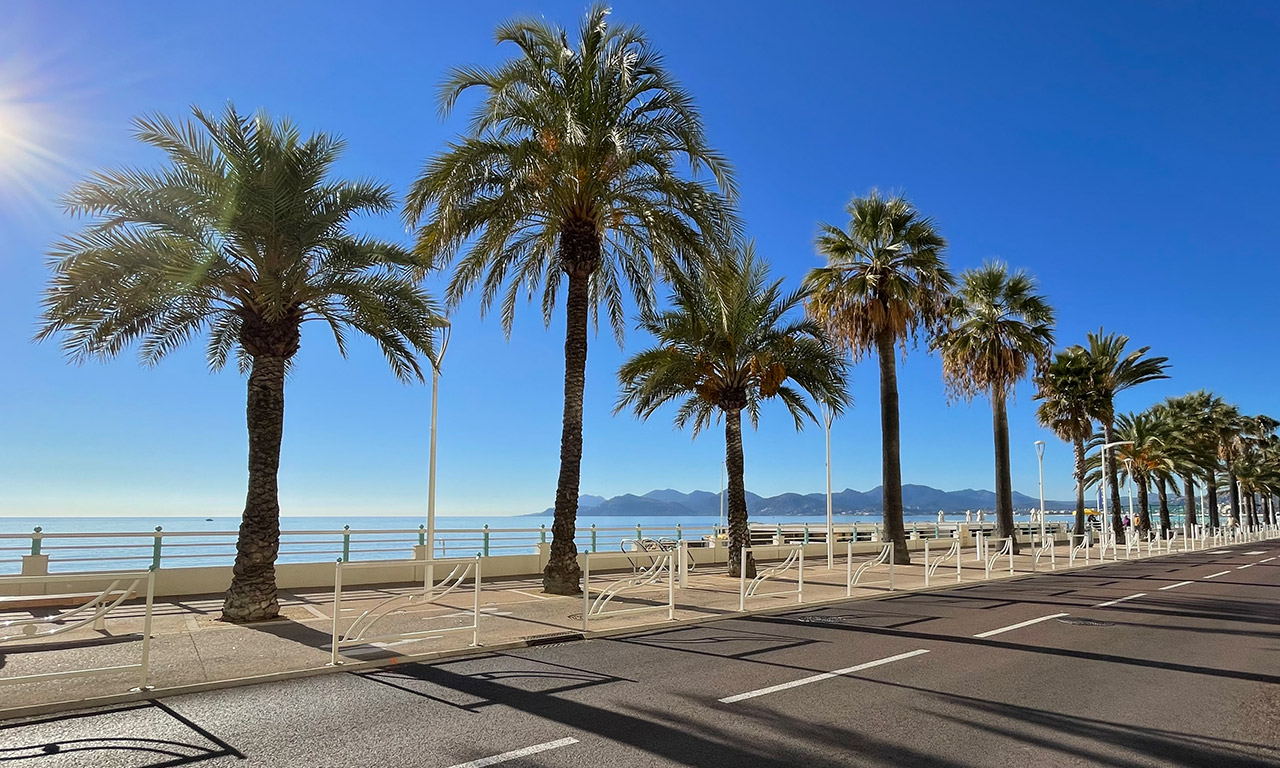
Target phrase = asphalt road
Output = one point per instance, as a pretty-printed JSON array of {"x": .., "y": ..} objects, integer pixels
[{"x": 1154, "y": 663}]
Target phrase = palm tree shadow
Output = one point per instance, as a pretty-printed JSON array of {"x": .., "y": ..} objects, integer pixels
[{"x": 89, "y": 750}]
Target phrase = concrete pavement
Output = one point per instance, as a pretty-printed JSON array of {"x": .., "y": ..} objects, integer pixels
[{"x": 1168, "y": 661}]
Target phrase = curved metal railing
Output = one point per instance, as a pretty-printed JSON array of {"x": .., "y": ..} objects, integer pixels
[
  {"x": 931, "y": 566},
  {"x": 794, "y": 559},
  {"x": 854, "y": 577},
  {"x": 660, "y": 563},
  {"x": 1006, "y": 550}
]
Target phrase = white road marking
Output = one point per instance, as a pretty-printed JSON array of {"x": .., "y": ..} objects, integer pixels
[
  {"x": 1121, "y": 600},
  {"x": 314, "y": 611},
  {"x": 516, "y": 753},
  {"x": 1256, "y": 552},
  {"x": 1175, "y": 586},
  {"x": 1216, "y": 575},
  {"x": 1219, "y": 552},
  {"x": 530, "y": 594},
  {"x": 1242, "y": 567},
  {"x": 1020, "y": 625},
  {"x": 1266, "y": 560},
  {"x": 821, "y": 677}
]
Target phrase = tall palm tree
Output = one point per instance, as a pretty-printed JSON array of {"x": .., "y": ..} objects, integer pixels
[
  {"x": 998, "y": 328},
  {"x": 1117, "y": 371},
  {"x": 1146, "y": 458},
  {"x": 884, "y": 282},
  {"x": 1189, "y": 418},
  {"x": 243, "y": 235},
  {"x": 729, "y": 343},
  {"x": 1066, "y": 389},
  {"x": 571, "y": 175}
]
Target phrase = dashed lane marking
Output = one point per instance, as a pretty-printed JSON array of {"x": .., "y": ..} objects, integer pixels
[
  {"x": 821, "y": 677},
  {"x": 1216, "y": 575},
  {"x": 1121, "y": 600},
  {"x": 516, "y": 754},
  {"x": 1019, "y": 625},
  {"x": 1175, "y": 586}
]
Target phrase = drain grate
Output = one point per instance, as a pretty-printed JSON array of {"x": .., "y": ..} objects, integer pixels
[
  {"x": 554, "y": 638},
  {"x": 824, "y": 619},
  {"x": 1085, "y": 622}
]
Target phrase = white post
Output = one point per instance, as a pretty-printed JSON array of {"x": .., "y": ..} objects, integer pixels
[
  {"x": 146, "y": 631},
  {"x": 475, "y": 608},
  {"x": 800, "y": 580},
  {"x": 684, "y": 564},
  {"x": 431, "y": 462},
  {"x": 828, "y": 415},
  {"x": 926, "y": 563},
  {"x": 337, "y": 610},
  {"x": 742, "y": 581},
  {"x": 671, "y": 584},
  {"x": 586, "y": 589}
]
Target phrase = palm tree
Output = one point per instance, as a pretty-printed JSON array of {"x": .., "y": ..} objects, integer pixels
[
  {"x": 1066, "y": 389},
  {"x": 1117, "y": 370},
  {"x": 1146, "y": 457},
  {"x": 570, "y": 175},
  {"x": 728, "y": 344},
  {"x": 998, "y": 327},
  {"x": 1197, "y": 443},
  {"x": 243, "y": 235},
  {"x": 884, "y": 282}
]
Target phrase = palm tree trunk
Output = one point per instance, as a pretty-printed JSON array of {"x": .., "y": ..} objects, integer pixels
[
  {"x": 1269, "y": 508},
  {"x": 1211, "y": 489},
  {"x": 1143, "y": 522},
  {"x": 1166, "y": 524},
  {"x": 1004, "y": 483},
  {"x": 890, "y": 454},
  {"x": 739, "y": 534},
  {"x": 1253, "y": 510},
  {"x": 579, "y": 257},
  {"x": 1078, "y": 448},
  {"x": 1233, "y": 497},
  {"x": 1117, "y": 514},
  {"x": 1189, "y": 500},
  {"x": 252, "y": 594}
]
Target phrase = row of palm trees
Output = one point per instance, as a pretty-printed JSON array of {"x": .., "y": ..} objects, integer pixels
[{"x": 584, "y": 173}]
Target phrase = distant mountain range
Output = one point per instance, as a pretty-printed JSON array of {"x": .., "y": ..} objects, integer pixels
[{"x": 915, "y": 498}]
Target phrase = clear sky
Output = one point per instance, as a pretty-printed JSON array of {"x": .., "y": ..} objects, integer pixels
[{"x": 1125, "y": 153}]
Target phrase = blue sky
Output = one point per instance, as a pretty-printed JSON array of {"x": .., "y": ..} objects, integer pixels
[{"x": 1125, "y": 153}]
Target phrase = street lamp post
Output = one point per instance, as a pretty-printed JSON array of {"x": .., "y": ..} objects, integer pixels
[
  {"x": 431, "y": 461},
  {"x": 1128, "y": 467},
  {"x": 1040, "y": 461},
  {"x": 827, "y": 416}
]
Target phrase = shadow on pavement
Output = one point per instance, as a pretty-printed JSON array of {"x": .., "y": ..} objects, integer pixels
[{"x": 61, "y": 740}]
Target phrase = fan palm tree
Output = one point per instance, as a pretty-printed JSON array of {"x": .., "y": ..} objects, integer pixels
[
  {"x": 1117, "y": 370},
  {"x": 884, "y": 282},
  {"x": 998, "y": 328},
  {"x": 729, "y": 343},
  {"x": 243, "y": 235},
  {"x": 570, "y": 176}
]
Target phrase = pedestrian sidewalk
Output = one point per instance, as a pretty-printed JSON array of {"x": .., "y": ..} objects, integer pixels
[{"x": 192, "y": 650}]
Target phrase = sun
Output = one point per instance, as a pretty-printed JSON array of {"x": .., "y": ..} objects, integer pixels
[{"x": 27, "y": 164}]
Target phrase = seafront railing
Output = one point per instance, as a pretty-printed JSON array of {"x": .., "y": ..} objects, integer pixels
[{"x": 64, "y": 552}]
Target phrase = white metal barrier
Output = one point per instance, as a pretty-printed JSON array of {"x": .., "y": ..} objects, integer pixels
[
  {"x": 1077, "y": 549},
  {"x": 1046, "y": 545},
  {"x": 1005, "y": 550},
  {"x": 660, "y": 564},
  {"x": 121, "y": 585},
  {"x": 853, "y": 578},
  {"x": 358, "y": 632},
  {"x": 931, "y": 566},
  {"x": 794, "y": 559}
]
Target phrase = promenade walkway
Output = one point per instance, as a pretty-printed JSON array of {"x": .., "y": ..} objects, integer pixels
[{"x": 191, "y": 650}]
